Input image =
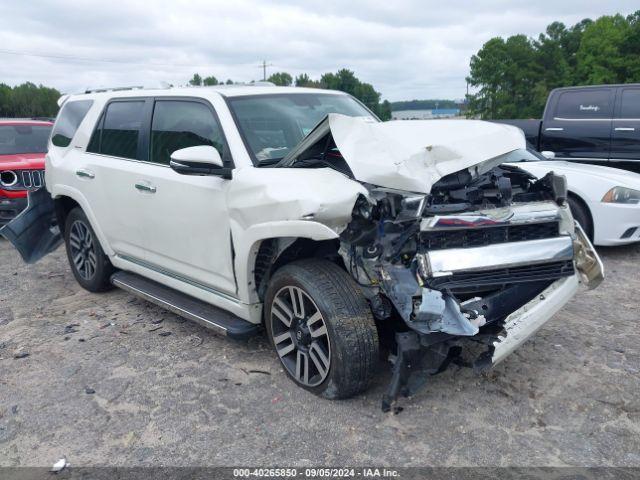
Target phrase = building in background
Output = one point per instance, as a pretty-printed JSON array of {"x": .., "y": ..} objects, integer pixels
[{"x": 425, "y": 114}]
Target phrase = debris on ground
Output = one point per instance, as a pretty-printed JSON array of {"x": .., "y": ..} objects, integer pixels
[
  {"x": 59, "y": 465},
  {"x": 154, "y": 329},
  {"x": 21, "y": 354},
  {"x": 164, "y": 334},
  {"x": 89, "y": 391}
]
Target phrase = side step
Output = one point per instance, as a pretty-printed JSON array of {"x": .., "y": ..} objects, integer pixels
[{"x": 186, "y": 306}]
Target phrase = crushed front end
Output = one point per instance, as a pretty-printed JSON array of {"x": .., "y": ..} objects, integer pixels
[{"x": 482, "y": 261}]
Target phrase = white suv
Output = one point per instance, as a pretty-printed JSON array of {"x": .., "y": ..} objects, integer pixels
[{"x": 297, "y": 210}]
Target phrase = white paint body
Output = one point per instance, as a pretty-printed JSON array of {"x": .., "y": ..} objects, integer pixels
[
  {"x": 590, "y": 183},
  {"x": 200, "y": 234}
]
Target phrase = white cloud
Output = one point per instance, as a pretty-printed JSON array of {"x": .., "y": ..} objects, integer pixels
[{"x": 405, "y": 48}]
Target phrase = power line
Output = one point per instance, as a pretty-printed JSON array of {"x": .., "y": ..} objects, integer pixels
[{"x": 98, "y": 60}]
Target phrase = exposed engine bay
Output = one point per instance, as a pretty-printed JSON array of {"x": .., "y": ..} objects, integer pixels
[
  {"x": 396, "y": 245},
  {"x": 449, "y": 267}
]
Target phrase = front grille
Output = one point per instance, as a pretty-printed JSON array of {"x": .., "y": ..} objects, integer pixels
[
  {"x": 504, "y": 276},
  {"x": 31, "y": 179},
  {"x": 483, "y": 236}
]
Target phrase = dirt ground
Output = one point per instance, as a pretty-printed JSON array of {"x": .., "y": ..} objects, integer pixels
[{"x": 112, "y": 380}]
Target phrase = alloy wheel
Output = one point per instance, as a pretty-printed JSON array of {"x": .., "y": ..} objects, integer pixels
[
  {"x": 83, "y": 253},
  {"x": 300, "y": 335}
]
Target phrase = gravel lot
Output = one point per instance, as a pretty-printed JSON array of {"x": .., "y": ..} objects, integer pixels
[{"x": 102, "y": 386}]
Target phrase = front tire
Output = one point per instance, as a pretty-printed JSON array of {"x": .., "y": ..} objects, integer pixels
[
  {"x": 322, "y": 329},
  {"x": 581, "y": 215},
  {"x": 90, "y": 265}
]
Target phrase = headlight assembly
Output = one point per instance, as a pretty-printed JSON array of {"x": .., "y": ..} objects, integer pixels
[{"x": 622, "y": 195}]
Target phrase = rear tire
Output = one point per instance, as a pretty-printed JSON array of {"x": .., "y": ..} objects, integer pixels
[
  {"x": 90, "y": 265},
  {"x": 322, "y": 329},
  {"x": 581, "y": 215}
]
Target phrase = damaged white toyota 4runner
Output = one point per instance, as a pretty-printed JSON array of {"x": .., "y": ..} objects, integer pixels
[{"x": 298, "y": 210}]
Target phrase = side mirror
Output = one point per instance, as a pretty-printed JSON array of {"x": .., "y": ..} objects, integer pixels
[
  {"x": 548, "y": 154},
  {"x": 200, "y": 160}
]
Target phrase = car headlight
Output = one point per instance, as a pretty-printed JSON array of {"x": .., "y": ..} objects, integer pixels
[{"x": 622, "y": 195}]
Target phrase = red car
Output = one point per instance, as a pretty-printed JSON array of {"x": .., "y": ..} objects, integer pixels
[{"x": 23, "y": 146}]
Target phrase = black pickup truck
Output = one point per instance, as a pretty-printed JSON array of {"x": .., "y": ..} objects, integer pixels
[{"x": 595, "y": 124}]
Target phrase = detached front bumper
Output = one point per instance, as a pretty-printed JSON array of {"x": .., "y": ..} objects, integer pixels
[{"x": 528, "y": 319}]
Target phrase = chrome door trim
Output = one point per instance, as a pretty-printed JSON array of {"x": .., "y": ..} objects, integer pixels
[
  {"x": 625, "y": 129},
  {"x": 83, "y": 173},
  {"x": 144, "y": 187},
  {"x": 554, "y": 129},
  {"x": 181, "y": 278}
]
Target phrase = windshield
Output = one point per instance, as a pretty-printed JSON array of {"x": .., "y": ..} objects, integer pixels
[
  {"x": 521, "y": 155},
  {"x": 271, "y": 125},
  {"x": 16, "y": 139}
]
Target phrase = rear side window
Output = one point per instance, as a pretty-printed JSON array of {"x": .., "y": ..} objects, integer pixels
[
  {"x": 630, "y": 106},
  {"x": 181, "y": 124},
  {"x": 585, "y": 104},
  {"x": 118, "y": 132},
  {"x": 68, "y": 121}
]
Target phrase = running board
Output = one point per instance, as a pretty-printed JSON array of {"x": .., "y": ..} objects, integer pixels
[{"x": 186, "y": 306}]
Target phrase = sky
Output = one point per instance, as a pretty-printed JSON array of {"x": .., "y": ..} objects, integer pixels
[{"x": 407, "y": 49}]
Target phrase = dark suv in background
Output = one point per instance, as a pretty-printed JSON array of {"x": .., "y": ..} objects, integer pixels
[{"x": 595, "y": 124}]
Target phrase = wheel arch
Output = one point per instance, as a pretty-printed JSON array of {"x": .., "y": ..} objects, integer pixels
[
  {"x": 66, "y": 200},
  {"x": 582, "y": 202},
  {"x": 275, "y": 244}
]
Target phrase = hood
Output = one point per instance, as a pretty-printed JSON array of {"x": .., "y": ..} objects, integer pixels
[
  {"x": 22, "y": 161},
  {"x": 410, "y": 154}
]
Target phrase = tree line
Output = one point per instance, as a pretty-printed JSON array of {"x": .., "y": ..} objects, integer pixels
[
  {"x": 28, "y": 100},
  {"x": 513, "y": 77},
  {"x": 343, "y": 80}
]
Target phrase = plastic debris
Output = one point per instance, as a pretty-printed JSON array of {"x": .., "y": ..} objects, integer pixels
[{"x": 59, "y": 465}]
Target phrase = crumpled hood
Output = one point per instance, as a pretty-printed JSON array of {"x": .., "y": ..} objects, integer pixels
[{"x": 411, "y": 154}]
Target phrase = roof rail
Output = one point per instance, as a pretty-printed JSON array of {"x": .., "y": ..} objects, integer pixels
[{"x": 113, "y": 89}]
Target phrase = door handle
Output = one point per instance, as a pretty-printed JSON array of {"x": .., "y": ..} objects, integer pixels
[
  {"x": 82, "y": 173},
  {"x": 144, "y": 187},
  {"x": 625, "y": 129},
  {"x": 554, "y": 129}
]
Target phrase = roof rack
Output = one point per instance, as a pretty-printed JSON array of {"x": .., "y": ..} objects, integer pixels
[{"x": 113, "y": 89}]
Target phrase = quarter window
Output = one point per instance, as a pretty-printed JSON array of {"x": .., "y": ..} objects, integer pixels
[
  {"x": 118, "y": 133},
  {"x": 630, "y": 107},
  {"x": 68, "y": 121},
  {"x": 584, "y": 104},
  {"x": 181, "y": 124}
]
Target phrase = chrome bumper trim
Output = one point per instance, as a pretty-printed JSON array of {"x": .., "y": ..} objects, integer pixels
[
  {"x": 503, "y": 255},
  {"x": 525, "y": 321}
]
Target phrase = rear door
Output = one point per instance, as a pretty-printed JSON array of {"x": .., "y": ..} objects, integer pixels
[
  {"x": 107, "y": 174},
  {"x": 579, "y": 126},
  {"x": 625, "y": 138}
]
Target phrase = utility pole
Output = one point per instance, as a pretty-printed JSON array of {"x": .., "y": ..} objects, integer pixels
[{"x": 264, "y": 66}]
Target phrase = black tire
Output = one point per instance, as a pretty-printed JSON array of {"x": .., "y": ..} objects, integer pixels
[
  {"x": 351, "y": 338},
  {"x": 581, "y": 215},
  {"x": 96, "y": 274}
]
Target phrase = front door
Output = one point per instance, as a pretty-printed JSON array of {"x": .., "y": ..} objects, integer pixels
[
  {"x": 579, "y": 128},
  {"x": 625, "y": 138},
  {"x": 186, "y": 225}
]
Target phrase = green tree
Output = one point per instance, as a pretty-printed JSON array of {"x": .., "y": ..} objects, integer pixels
[
  {"x": 513, "y": 77},
  {"x": 282, "y": 79},
  {"x": 196, "y": 80},
  {"x": 209, "y": 81},
  {"x": 600, "y": 58}
]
